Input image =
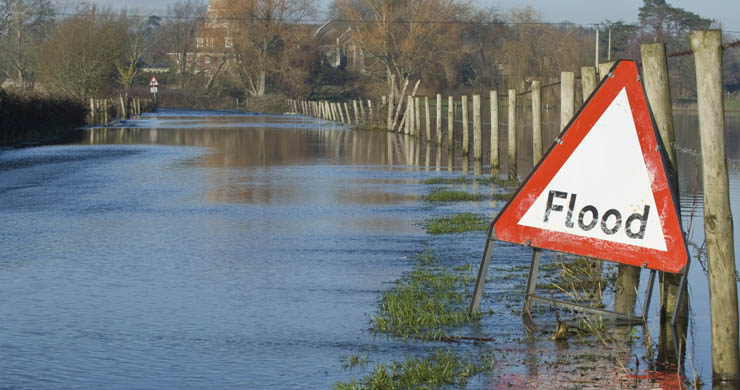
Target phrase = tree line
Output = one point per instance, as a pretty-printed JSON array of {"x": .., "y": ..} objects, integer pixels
[{"x": 271, "y": 46}]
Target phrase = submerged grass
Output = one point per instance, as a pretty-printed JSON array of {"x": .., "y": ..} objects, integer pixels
[
  {"x": 443, "y": 368},
  {"x": 458, "y": 223},
  {"x": 443, "y": 195},
  {"x": 425, "y": 303}
]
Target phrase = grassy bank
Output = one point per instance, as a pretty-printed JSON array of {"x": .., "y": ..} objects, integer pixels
[{"x": 28, "y": 118}]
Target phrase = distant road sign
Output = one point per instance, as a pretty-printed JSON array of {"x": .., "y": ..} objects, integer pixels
[
  {"x": 153, "y": 89},
  {"x": 153, "y": 83},
  {"x": 602, "y": 189}
]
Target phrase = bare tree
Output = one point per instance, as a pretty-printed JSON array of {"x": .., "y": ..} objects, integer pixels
[
  {"x": 406, "y": 38},
  {"x": 177, "y": 34},
  {"x": 23, "y": 23},
  {"x": 136, "y": 42},
  {"x": 263, "y": 31},
  {"x": 78, "y": 56}
]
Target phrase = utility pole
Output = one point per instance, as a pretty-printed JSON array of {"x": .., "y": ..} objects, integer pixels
[
  {"x": 597, "y": 46},
  {"x": 609, "y": 48}
]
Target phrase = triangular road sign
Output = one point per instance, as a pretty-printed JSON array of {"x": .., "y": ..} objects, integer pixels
[
  {"x": 602, "y": 189},
  {"x": 153, "y": 82}
]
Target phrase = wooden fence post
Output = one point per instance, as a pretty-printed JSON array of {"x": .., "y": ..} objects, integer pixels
[
  {"x": 536, "y": 121},
  {"x": 465, "y": 126},
  {"x": 410, "y": 115},
  {"x": 451, "y": 122},
  {"x": 477, "y": 136},
  {"x": 390, "y": 111},
  {"x": 124, "y": 110},
  {"x": 391, "y": 102},
  {"x": 438, "y": 119},
  {"x": 346, "y": 110},
  {"x": 604, "y": 69},
  {"x": 567, "y": 97},
  {"x": 354, "y": 106},
  {"x": 92, "y": 111},
  {"x": 588, "y": 81},
  {"x": 512, "y": 134},
  {"x": 494, "y": 130},
  {"x": 417, "y": 117},
  {"x": 105, "y": 111},
  {"x": 427, "y": 120},
  {"x": 720, "y": 251},
  {"x": 628, "y": 277},
  {"x": 657, "y": 87},
  {"x": 400, "y": 104}
]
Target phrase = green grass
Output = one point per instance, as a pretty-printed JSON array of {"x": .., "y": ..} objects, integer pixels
[
  {"x": 458, "y": 223},
  {"x": 442, "y": 369},
  {"x": 504, "y": 196},
  {"x": 443, "y": 195},
  {"x": 425, "y": 303}
]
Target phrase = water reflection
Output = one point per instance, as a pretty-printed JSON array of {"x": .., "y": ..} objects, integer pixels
[{"x": 259, "y": 147}]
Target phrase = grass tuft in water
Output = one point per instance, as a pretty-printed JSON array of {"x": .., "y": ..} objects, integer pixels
[
  {"x": 425, "y": 303},
  {"x": 444, "y": 368},
  {"x": 355, "y": 360},
  {"x": 443, "y": 195},
  {"x": 458, "y": 223}
]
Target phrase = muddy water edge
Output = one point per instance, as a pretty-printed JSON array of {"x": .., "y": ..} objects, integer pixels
[{"x": 191, "y": 249}]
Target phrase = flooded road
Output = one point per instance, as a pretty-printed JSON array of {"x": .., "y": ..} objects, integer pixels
[{"x": 226, "y": 250}]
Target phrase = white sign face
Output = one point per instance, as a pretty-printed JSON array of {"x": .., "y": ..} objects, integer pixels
[
  {"x": 599, "y": 193},
  {"x": 153, "y": 89}
]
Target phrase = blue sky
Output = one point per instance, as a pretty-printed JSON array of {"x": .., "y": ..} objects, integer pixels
[
  {"x": 577, "y": 11},
  {"x": 594, "y": 11}
]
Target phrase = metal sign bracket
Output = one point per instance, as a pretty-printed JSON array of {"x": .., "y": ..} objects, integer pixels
[{"x": 531, "y": 297}]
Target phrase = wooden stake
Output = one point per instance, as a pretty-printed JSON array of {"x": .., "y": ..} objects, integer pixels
[
  {"x": 477, "y": 136},
  {"x": 346, "y": 110},
  {"x": 536, "y": 122},
  {"x": 567, "y": 97},
  {"x": 720, "y": 250},
  {"x": 409, "y": 115},
  {"x": 604, "y": 69},
  {"x": 450, "y": 122},
  {"x": 494, "y": 130},
  {"x": 657, "y": 87},
  {"x": 417, "y": 117},
  {"x": 465, "y": 127},
  {"x": 439, "y": 119},
  {"x": 427, "y": 120},
  {"x": 512, "y": 134},
  {"x": 400, "y": 104},
  {"x": 588, "y": 81}
]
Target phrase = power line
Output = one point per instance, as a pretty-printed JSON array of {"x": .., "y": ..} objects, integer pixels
[{"x": 348, "y": 21}]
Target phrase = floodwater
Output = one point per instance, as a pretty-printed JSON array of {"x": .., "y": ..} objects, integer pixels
[{"x": 192, "y": 249}]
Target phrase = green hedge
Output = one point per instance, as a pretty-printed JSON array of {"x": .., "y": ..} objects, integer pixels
[{"x": 33, "y": 117}]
